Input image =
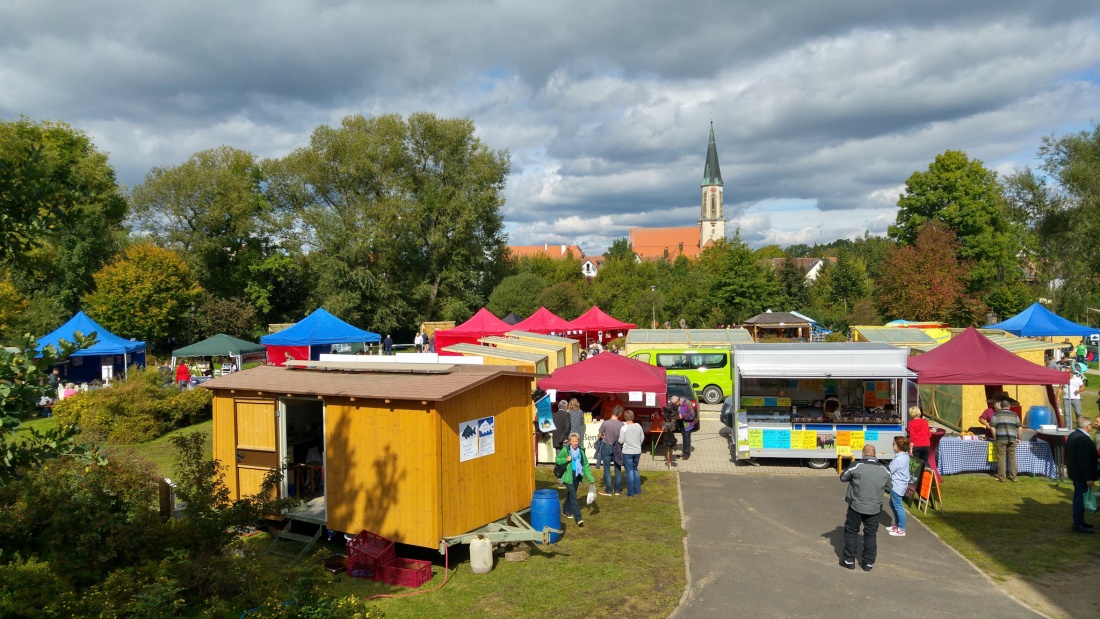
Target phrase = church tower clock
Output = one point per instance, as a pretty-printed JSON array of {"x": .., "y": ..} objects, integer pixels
[{"x": 712, "y": 218}]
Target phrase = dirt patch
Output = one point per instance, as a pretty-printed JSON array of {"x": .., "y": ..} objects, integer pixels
[{"x": 1063, "y": 595}]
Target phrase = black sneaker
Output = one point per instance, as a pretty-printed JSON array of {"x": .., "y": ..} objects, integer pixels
[
  {"x": 849, "y": 565},
  {"x": 866, "y": 567},
  {"x": 580, "y": 523},
  {"x": 1084, "y": 530}
]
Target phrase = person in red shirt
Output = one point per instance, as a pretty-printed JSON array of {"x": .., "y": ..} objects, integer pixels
[
  {"x": 920, "y": 436},
  {"x": 987, "y": 415},
  {"x": 183, "y": 375}
]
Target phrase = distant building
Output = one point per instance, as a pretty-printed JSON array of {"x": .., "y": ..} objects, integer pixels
[
  {"x": 591, "y": 266},
  {"x": 559, "y": 252},
  {"x": 690, "y": 241},
  {"x": 810, "y": 266}
]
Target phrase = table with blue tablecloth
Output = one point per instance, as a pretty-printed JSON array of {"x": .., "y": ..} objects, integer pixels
[{"x": 957, "y": 455}]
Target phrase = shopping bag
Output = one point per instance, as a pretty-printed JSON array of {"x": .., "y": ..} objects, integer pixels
[
  {"x": 592, "y": 494},
  {"x": 1090, "y": 500}
]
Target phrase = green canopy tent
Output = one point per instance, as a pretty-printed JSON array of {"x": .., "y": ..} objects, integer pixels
[{"x": 220, "y": 345}]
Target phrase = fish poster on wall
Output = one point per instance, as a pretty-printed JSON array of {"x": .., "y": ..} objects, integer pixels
[
  {"x": 476, "y": 438},
  {"x": 545, "y": 415}
]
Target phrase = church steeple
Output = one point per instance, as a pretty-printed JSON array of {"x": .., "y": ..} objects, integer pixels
[
  {"x": 712, "y": 218},
  {"x": 712, "y": 174}
]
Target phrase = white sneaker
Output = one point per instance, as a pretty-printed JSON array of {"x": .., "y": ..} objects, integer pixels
[{"x": 896, "y": 532}]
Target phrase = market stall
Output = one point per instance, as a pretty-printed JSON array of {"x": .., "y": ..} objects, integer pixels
[
  {"x": 818, "y": 401},
  {"x": 970, "y": 358},
  {"x": 543, "y": 321},
  {"x": 111, "y": 355},
  {"x": 311, "y": 337},
  {"x": 220, "y": 345},
  {"x": 482, "y": 324},
  {"x": 596, "y": 325},
  {"x": 600, "y": 383}
]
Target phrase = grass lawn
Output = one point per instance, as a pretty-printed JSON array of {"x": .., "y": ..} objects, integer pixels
[
  {"x": 1008, "y": 529},
  {"x": 628, "y": 560},
  {"x": 160, "y": 452}
]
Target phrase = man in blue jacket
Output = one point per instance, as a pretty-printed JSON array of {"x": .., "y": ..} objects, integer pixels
[{"x": 867, "y": 481}]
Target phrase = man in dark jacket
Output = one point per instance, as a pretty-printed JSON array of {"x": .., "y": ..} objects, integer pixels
[
  {"x": 867, "y": 481},
  {"x": 561, "y": 425},
  {"x": 1081, "y": 468}
]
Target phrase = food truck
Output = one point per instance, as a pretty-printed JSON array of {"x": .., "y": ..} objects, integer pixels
[{"x": 818, "y": 401}]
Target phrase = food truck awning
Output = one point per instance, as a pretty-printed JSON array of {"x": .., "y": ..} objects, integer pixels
[
  {"x": 796, "y": 371},
  {"x": 821, "y": 360}
]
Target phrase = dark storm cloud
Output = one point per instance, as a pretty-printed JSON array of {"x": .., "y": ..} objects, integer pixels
[{"x": 604, "y": 106}]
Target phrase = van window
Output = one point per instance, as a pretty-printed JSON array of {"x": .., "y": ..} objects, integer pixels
[
  {"x": 709, "y": 361},
  {"x": 672, "y": 362},
  {"x": 642, "y": 356}
]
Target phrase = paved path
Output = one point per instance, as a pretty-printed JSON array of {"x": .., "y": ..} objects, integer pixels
[{"x": 769, "y": 547}]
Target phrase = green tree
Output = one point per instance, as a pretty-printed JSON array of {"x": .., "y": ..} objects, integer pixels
[
  {"x": 553, "y": 270},
  {"x": 739, "y": 285},
  {"x": 793, "y": 286},
  {"x": 212, "y": 210},
  {"x": 563, "y": 299},
  {"x": 279, "y": 286},
  {"x": 620, "y": 250},
  {"x": 964, "y": 195},
  {"x": 403, "y": 216},
  {"x": 1059, "y": 207},
  {"x": 148, "y": 294},
  {"x": 768, "y": 252},
  {"x": 925, "y": 281},
  {"x": 516, "y": 293},
  {"x": 235, "y": 317},
  {"x": 848, "y": 282},
  {"x": 61, "y": 210}
]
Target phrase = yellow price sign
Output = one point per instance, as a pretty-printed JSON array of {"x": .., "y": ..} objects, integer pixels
[{"x": 843, "y": 450}]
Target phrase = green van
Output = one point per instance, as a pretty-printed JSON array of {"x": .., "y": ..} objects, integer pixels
[{"x": 709, "y": 369}]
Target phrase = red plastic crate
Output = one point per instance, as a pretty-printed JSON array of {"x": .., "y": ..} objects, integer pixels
[
  {"x": 368, "y": 549},
  {"x": 405, "y": 572}
]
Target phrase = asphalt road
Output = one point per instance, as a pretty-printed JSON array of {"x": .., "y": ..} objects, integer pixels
[{"x": 769, "y": 546}]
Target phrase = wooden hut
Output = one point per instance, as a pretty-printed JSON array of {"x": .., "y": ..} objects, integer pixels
[
  {"x": 555, "y": 354},
  {"x": 532, "y": 363},
  {"x": 571, "y": 346},
  {"x": 778, "y": 325},
  {"x": 413, "y": 454}
]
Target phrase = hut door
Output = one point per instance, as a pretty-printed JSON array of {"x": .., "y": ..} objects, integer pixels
[{"x": 257, "y": 444}]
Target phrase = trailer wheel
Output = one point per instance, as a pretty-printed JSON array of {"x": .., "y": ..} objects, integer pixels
[
  {"x": 712, "y": 394},
  {"x": 818, "y": 463}
]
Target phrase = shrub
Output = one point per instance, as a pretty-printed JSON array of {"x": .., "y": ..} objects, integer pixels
[{"x": 137, "y": 408}]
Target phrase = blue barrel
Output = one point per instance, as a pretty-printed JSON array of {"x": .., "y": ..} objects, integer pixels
[
  {"x": 1039, "y": 416},
  {"x": 546, "y": 512}
]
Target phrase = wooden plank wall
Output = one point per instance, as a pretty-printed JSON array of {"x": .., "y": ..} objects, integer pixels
[
  {"x": 225, "y": 438},
  {"x": 974, "y": 398},
  {"x": 485, "y": 489},
  {"x": 382, "y": 469}
]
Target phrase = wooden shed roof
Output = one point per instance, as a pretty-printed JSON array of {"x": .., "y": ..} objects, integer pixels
[{"x": 366, "y": 383}]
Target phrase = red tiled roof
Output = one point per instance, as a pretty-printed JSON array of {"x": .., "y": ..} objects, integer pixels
[
  {"x": 656, "y": 243},
  {"x": 552, "y": 251}
]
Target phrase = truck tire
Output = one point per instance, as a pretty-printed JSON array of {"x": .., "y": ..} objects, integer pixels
[
  {"x": 818, "y": 463},
  {"x": 712, "y": 394}
]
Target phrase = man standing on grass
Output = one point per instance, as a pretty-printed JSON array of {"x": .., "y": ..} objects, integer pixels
[
  {"x": 1073, "y": 393},
  {"x": 1081, "y": 468},
  {"x": 1006, "y": 432},
  {"x": 868, "y": 480},
  {"x": 612, "y": 454}
]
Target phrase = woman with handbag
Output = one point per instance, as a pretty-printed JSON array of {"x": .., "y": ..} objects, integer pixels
[
  {"x": 575, "y": 463},
  {"x": 687, "y": 425},
  {"x": 899, "y": 476}
]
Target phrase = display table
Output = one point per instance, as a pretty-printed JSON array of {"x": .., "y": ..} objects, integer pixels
[
  {"x": 955, "y": 455},
  {"x": 1057, "y": 440}
]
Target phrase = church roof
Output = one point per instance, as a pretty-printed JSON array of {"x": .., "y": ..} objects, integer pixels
[
  {"x": 655, "y": 243},
  {"x": 712, "y": 174},
  {"x": 546, "y": 249}
]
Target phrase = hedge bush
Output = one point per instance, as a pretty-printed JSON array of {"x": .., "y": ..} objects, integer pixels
[{"x": 137, "y": 408}]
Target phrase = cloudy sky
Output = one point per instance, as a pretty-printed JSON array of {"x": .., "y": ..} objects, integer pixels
[{"x": 821, "y": 109}]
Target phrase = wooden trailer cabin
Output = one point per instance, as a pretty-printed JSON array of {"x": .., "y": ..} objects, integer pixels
[
  {"x": 530, "y": 362},
  {"x": 412, "y": 454},
  {"x": 555, "y": 354},
  {"x": 572, "y": 347}
]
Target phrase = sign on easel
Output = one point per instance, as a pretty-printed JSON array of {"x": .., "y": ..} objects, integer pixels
[{"x": 929, "y": 492}]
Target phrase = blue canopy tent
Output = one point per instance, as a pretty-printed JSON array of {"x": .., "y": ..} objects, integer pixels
[
  {"x": 109, "y": 350},
  {"x": 1038, "y": 321},
  {"x": 305, "y": 339}
]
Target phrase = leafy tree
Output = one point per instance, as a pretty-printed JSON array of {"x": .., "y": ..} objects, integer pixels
[
  {"x": 23, "y": 374},
  {"x": 793, "y": 286},
  {"x": 12, "y": 305},
  {"x": 563, "y": 299},
  {"x": 925, "y": 281},
  {"x": 739, "y": 285},
  {"x": 516, "y": 293},
  {"x": 799, "y": 250},
  {"x": 768, "y": 252},
  {"x": 553, "y": 270},
  {"x": 212, "y": 210},
  {"x": 148, "y": 294},
  {"x": 848, "y": 281},
  {"x": 61, "y": 210},
  {"x": 278, "y": 287},
  {"x": 620, "y": 250},
  {"x": 403, "y": 215},
  {"x": 235, "y": 317},
  {"x": 620, "y": 287},
  {"x": 964, "y": 195},
  {"x": 1059, "y": 207}
]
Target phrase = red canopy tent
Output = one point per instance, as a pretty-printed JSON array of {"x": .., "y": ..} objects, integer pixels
[
  {"x": 970, "y": 358},
  {"x": 482, "y": 324},
  {"x": 609, "y": 374},
  {"x": 596, "y": 324},
  {"x": 543, "y": 321}
]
